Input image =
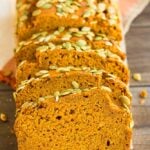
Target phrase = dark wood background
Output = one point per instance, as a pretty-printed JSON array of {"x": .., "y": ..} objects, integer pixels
[{"x": 138, "y": 53}]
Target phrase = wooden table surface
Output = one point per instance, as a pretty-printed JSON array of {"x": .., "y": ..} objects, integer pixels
[{"x": 138, "y": 53}]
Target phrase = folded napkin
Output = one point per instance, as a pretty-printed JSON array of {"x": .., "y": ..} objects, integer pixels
[{"x": 129, "y": 10}]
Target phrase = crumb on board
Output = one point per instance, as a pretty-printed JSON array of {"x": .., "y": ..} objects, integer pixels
[
  {"x": 137, "y": 77},
  {"x": 3, "y": 117},
  {"x": 143, "y": 93}
]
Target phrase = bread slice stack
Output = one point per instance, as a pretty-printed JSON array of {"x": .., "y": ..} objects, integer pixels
[{"x": 72, "y": 82}]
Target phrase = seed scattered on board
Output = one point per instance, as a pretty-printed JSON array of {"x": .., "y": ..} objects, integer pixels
[
  {"x": 3, "y": 117},
  {"x": 137, "y": 77}
]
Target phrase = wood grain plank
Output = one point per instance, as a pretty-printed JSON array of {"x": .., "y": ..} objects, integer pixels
[
  {"x": 138, "y": 51},
  {"x": 141, "y": 140},
  {"x": 136, "y": 98},
  {"x": 7, "y": 106}
]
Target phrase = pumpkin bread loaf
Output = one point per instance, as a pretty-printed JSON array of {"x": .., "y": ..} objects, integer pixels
[
  {"x": 92, "y": 59},
  {"x": 68, "y": 38},
  {"x": 72, "y": 82},
  {"x": 38, "y": 15},
  {"x": 81, "y": 121},
  {"x": 47, "y": 82}
]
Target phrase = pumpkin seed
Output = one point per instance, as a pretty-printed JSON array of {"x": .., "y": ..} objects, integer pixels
[
  {"x": 41, "y": 72},
  {"x": 42, "y": 48},
  {"x": 85, "y": 68},
  {"x": 131, "y": 124},
  {"x": 61, "y": 29},
  {"x": 75, "y": 84},
  {"x": 125, "y": 100},
  {"x": 56, "y": 95},
  {"x": 73, "y": 30},
  {"x": 66, "y": 92},
  {"x": 85, "y": 90},
  {"x": 45, "y": 75},
  {"x": 53, "y": 67},
  {"x": 20, "y": 88},
  {"x": 41, "y": 99},
  {"x": 14, "y": 96},
  {"x": 56, "y": 33},
  {"x": 76, "y": 91},
  {"x": 40, "y": 3},
  {"x": 67, "y": 45},
  {"x": 137, "y": 76},
  {"x": 76, "y": 3},
  {"x": 66, "y": 37},
  {"x": 93, "y": 88},
  {"x": 46, "y": 6},
  {"x": 105, "y": 88},
  {"x": 81, "y": 43},
  {"x": 36, "y": 12},
  {"x": 63, "y": 69},
  {"x": 89, "y": 37},
  {"x": 108, "y": 43},
  {"x": 21, "y": 63},
  {"x": 3, "y": 117},
  {"x": 87, "y": 14},
  {"x": 51, "y": 46},
  {"x": 97, "y": 38},
  {"x": 101, "y": 7},
  {"x": 86, "y": 29},
  {"x": 23, "y": 18}
]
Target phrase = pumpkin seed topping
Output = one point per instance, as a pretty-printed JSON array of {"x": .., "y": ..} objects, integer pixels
[
  {"x": 66, "y": 37},
  {"x": 51, "y": 46},
  {"x": 61, "y": 29},
  {"x": 85, "y": 29},
  {"x": 42, "y": 48},
  {"x": 45, "y": 75},
  {"x": 101, "y": 7},
  {"x": 125, "y": 100},
  {"x": 131, "y": 124},
  {"x": 56, "y": 95},
  {"x": 75, "y": 84},
  {"x": 23, "y": 18},
  {"x": 36, "y": 12},
  {"x": 81, "y": 43},
  {"x": 105, "y": 88},
  {"x": 41, "y": 72},
  {"x": 87, "y": 14}
]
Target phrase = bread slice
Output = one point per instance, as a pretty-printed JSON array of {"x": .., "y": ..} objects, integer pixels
[
  {"x": 36, "y": 16},
  {"x": 68, "y": 37},
  {"x": 78, "y": 58},
  {"x": 80, "y": 121},
  {"x": 47, "y": 82}
]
